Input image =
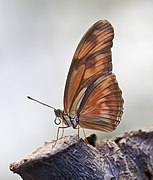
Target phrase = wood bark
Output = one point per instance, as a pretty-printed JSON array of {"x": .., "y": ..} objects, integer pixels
[{"x": 128, "y": 157}]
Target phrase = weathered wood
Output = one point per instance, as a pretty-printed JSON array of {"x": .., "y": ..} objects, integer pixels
[{"x": 128, "y": 157}]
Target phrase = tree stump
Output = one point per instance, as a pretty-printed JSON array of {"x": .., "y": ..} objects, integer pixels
[{"x": 128, "y": 157}]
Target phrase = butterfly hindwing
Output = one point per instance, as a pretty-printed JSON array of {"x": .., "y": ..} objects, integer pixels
[{"x": 104, "y": 106}]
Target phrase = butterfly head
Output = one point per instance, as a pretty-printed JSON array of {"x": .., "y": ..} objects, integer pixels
[{"x": 59, "y": 116}]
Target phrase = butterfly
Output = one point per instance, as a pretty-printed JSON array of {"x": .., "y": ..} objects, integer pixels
[{"x": 92, "y": 97}]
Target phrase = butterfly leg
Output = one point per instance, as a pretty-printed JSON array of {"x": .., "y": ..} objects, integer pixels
[
  {"x": 62, "y": 127},
  {"x": 84, "y": 135},
  {"x": 78, "y": 132},
  {"x": 62, "y": 130}
]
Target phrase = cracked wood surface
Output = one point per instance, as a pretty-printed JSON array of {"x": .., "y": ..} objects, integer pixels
[{"x": 128, "y": 157}]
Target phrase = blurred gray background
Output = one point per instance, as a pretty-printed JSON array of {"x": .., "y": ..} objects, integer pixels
[{"x": 37, "y": 41}]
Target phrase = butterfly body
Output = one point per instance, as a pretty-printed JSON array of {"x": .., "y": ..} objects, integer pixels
[
  {"x": 66, "y": 119},
  {"x": 92, "y": 97}
]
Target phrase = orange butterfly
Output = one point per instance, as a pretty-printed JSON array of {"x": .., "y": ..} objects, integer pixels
[{"x": 92, "y": 97}]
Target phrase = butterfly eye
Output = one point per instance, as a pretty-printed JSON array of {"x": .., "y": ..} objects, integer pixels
[{"x": 57, "y": 121}]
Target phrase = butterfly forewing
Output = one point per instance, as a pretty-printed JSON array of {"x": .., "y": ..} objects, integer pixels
[
  {"x": 91, "y": 90},
  {"x": 84, "y": 60}
]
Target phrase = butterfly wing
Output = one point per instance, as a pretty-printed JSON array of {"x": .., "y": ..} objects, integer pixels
[
  {"x": 104, "y": 106},
  {"x": 90, "y": 71}
]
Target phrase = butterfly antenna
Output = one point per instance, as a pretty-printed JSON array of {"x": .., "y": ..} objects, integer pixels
[{"x": 40, "y": 102}]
